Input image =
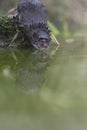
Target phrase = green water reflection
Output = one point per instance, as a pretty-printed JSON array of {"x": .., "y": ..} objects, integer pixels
[{"x": 41, "y": 92}]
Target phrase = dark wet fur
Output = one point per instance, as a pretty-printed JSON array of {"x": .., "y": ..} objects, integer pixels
[{"x": 32, "y": 21}]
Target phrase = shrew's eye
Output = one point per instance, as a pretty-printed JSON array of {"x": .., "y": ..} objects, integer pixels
[{"x": 43, "y": 39}]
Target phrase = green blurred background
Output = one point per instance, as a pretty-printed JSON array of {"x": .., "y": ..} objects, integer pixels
[{"x": 47, "y": 90}]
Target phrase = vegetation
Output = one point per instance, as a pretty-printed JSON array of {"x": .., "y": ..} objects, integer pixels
[{"x": 10, "y": 31}]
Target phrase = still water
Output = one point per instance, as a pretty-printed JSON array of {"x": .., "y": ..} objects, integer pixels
[{"x": 44, "y": 90}]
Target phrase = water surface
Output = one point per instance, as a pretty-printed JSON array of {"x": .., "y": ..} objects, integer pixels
[{"x": 44, "y": 90}]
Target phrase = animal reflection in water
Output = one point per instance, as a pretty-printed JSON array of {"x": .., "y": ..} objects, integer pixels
[
  {"x": 31, "y": 75},
  {"x": 27, "y": 67}
]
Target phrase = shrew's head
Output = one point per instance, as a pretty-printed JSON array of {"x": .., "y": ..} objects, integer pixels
[{"x": 39, "y": 37}]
